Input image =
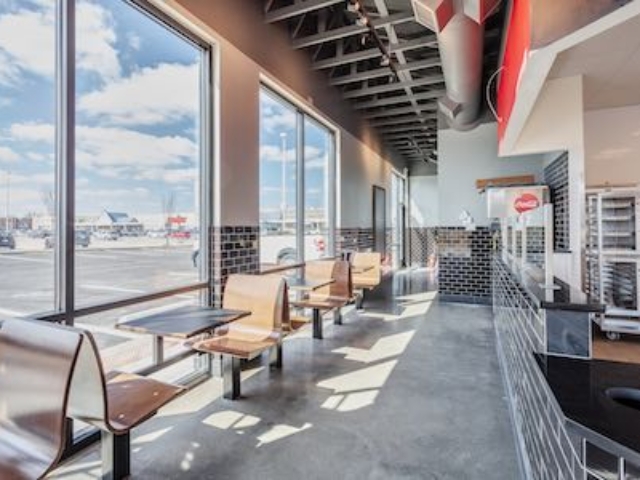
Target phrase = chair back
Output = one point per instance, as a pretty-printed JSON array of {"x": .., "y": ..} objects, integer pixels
[
  {"x": 89, "y": 401},
  {"x": 339, "y": 271},
  {"x": 368, "y": 259},
  {"x": 37, "y": 360},
  {"x": 264, "y": 296}
]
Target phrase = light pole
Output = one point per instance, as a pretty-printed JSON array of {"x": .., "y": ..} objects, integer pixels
[
  {"x": 283, "y": 138},
  {"x": 8, "y": 200}
]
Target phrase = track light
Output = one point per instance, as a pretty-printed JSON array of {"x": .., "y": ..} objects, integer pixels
[
  {"x": 353, "y": 7},
  {"x": 385, "y": 61}
]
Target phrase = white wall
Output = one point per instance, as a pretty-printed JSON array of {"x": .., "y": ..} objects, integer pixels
[
  {"x": 556, "y": 123},
  {"x": 463, "y": 158},
  {"x": 423, "y": 201},
  {"x": 612, "y": 146}
]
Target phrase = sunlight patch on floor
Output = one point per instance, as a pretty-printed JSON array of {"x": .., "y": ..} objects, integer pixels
[
  {"x": 230, "y": 419},
  {"x": 409, "y": 310},
  {"x": 351, "y": 401},
  {"x": 386, "y": 347},
  {"x": 363, "y": 379},
  {"x": 150, "y": 437},
  {"x": 278, "y": 432}
]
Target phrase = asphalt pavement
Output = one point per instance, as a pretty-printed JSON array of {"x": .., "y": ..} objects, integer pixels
[{"x": 102, "y": 275}]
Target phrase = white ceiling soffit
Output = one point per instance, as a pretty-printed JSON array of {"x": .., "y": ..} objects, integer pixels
[
  {"x": 384, "y": 62},
  {"x": 540, "y": 66}
]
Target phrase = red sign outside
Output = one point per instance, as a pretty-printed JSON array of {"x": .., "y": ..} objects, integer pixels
[{"x": 178, "y": 220}]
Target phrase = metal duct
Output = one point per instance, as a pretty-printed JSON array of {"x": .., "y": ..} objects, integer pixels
[{"x": 461, "y": 44}]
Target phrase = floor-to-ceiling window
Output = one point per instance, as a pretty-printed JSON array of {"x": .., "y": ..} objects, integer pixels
[
  {"x": 398, "y": 219},
  {"x": 27, "y": 156},
  {"x": 103, "y": 136},
  {"x": 297, "y": 161}
]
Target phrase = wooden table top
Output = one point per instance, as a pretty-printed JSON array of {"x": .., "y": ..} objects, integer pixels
[
  {"x": 183, "y": 322},
  {"x": 307, "y": 285}
]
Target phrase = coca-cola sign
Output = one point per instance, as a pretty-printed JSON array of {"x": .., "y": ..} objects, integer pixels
[{"x": 526, "y": 202}]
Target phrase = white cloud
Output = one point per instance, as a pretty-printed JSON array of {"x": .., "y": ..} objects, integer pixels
[
  {"x": 162, "y": 94},
  {"x": 96, "y": 40},
  {"x": 273, "y": 153},
  {"x": 8, "y": 155},
  {"x": 120, "y": 153},
  {"x": 27, "y": 42}
]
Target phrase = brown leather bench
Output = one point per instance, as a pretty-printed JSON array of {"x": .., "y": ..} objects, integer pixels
[
  {"x": 244, "y": 339},
  {"x": 36, "y": 366},
  {"x": 370, "y": 277},
  {"x": 115, "y": 403},
  {"x": 329, "y": 298}
]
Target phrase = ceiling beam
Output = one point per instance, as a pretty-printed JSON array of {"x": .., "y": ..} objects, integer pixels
[
  {"x": 428, "y": 40},
  {"x": 395, "y": 100},
  {"x": 390, "y": 87},
  {"x": 384, "y": 71},
  {"x": 343, "y": 32},
  {"x": 404, "y": 120},
  {"x": 298, "y": 8},
  {"x": 391, "y": 112},
  {"x": 408, "y": 130}
]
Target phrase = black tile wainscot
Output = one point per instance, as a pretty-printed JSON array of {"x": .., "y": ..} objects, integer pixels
[
  {"x": 568, "y": 422},
  {"x": 234, "y": 249},
  {"x": 464, "y": 264},
  {"x": 354, "y": 239}
]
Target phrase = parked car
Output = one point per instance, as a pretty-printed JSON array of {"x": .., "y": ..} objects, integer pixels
[
  {"x": 106, "y": 235},
  {"x": 82, "y": 239},
  {"x": 182, "y": 234},
  {"x": 7, "y": 240}
]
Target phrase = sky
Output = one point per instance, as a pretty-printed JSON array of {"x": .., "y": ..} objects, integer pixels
[
  {"x": 137, "y": 99},
  {"x": 137, "y": 102}
]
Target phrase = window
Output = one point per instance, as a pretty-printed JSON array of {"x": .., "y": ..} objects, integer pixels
[
  {"x": 137, "y": 155},
  {"x": 296, "y": 155},
  {"x": 27, "y": 156},
  {"x": 278, "y": 179}
]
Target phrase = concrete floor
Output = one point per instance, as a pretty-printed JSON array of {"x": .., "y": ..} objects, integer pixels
[{"x": 409, "y": 389}]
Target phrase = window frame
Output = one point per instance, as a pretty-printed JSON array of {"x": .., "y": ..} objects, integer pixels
[{"x": 302, "y": 113}]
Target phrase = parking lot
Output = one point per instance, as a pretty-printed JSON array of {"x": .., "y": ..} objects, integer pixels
[{"x": 104, "y": 273}]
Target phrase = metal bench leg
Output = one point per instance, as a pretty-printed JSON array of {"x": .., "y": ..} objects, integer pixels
[
  {"x": 275, "y": 356},
  {"x": 231, "y": 377},
  {"x": 116, "y": 456},
  {"x": 360, "y": 301},
  {"x": 317, "y": 324},
  {"x": 337, "y": 316}
]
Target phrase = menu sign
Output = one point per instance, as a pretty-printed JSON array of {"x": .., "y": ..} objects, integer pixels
[{"x": 513, "y": 201}]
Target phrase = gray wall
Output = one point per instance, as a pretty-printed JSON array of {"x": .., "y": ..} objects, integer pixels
[{"x": 465, "y": 157}]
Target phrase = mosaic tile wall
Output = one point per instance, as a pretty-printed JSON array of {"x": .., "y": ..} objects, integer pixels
[
  {"x": 547, "y": 449},
  {"x": 234, "y": 249},
  {"x": 464, "y": 264},
  {"x": 422, "y": 243},
  {"x": 353, "y": 239},
  {"x": 556, "y": 176}
]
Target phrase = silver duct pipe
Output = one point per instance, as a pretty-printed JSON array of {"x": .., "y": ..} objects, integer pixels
[{"x": 459, "y": 25}]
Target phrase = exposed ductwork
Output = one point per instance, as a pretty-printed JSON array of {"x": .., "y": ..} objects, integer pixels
[{"x": 459, "y": 25}]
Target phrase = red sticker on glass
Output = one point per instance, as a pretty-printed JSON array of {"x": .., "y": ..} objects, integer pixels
[{"x": 526, "y": 202}]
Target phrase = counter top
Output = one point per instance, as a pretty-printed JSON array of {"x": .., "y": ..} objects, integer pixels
[
  {"x": 563, "y": 298},
  {"x": 580, "y": 388}
]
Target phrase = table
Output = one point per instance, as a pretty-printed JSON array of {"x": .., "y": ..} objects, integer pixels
[{"x": 182, "y": 322}]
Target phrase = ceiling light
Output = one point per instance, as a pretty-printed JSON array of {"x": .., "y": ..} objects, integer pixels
[
  {"x": 385, "y": 61},
  {"x": 353, "y": 7}
]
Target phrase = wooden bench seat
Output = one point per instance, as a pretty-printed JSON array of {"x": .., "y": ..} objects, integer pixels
[
  {"x": 36, "y": 366},
  {"x": 370, "y": 278},
  {"x": 246, "y": 338},
  {"x": 115, "y": 403},
  {"x": 330, "y": 298}
]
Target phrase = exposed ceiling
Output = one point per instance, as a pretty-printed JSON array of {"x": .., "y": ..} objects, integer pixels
[
  {"x": 389, "y": 69},
  {"x": 610, "y": 63}
]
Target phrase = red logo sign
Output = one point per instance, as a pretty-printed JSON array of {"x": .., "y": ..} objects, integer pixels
[{"x": 526, "y": 202}]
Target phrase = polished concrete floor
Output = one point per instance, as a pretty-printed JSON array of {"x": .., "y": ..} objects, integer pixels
[{"x": 408, "y": 389}]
